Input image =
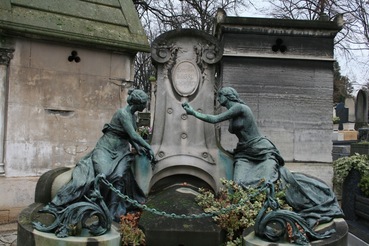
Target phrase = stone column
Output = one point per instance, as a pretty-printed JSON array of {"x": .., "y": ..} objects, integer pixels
[{"x": 5, "y": 56}]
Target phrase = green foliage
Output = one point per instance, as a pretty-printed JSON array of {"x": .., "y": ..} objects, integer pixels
[
  {"x": 336, "y": 120},
  {"x": 131, "y": 234},
  {"x": 342, "y": 86},
  {"x": 364, "y": 185},
  {"x": 250, "y": 202},
  {"x": 342, "y": 167},
  {"x": 235, "y": 242}
]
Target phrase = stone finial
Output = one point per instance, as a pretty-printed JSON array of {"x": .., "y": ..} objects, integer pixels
[
  {"x": 323, "y": 17},
  {"x": 220, "y": 15},
  {"x": 339, "y": 20}
]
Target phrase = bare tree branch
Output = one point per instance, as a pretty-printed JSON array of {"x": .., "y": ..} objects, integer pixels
[
  {"x": 355, "y": 34},
  {"x": 159, "y": 16}
]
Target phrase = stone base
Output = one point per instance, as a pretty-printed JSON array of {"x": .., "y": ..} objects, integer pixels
[
  {"x": 337, "y": 239},
  {"x": 27, "y": 236},
  {"x": 165, "y": 231},
  {"x": 349, "y": 135},
  {"x": 360, "y": 230},
  {"x": 359, "y": 148},
  {"x": 16, "y": 194}
]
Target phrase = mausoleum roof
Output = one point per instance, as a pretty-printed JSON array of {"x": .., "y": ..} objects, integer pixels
[
  {"x": 232, "y": 24},
  {"x": 110, "y": 24}
]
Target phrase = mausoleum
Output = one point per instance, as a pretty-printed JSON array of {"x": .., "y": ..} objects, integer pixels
[
  {"x": 65, "y": 67},
  {"x": 283, "y": 69}
]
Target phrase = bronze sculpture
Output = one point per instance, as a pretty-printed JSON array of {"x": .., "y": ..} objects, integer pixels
[
  {"x": 256, "y": 158},
  {"x": 111, "y": 158}
]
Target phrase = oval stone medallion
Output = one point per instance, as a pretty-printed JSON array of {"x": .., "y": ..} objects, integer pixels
[{"x": 186, "y": 78}]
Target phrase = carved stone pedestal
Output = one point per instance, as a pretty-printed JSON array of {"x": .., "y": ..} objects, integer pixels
[{"x": 167, "y": 231}]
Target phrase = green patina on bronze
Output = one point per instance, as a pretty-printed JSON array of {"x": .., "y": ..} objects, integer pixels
[
  {"x": 111, "y": 24},
  {"x": 256, "y": 158}
]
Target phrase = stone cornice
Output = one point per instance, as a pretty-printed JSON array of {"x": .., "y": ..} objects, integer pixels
[
  {"x": 271, "y": 26},
  {"x": 105, "y": 24}
]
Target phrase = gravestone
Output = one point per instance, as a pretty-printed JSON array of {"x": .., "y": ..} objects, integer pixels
[
  {"x": 187, "y": 150},
  {"x": 186, "y": 66},
  {"x": 361, "y": 109},
  {"x": 342, "y": 113},
  {"x": 350, "y": 104}
]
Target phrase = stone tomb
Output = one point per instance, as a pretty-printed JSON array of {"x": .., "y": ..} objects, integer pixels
[
  {"x": 187, "y": 150},
  {"x": 283, "y": 70}
]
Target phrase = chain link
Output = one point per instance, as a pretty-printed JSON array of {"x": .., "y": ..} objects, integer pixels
[{"x": 178, "y": 216}]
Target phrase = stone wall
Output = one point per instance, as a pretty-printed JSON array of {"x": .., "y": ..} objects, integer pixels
[
  {"x": 291, "y": 101},
  {"x": 57, "y": 108},
  {"x": 282, "y": 69}
]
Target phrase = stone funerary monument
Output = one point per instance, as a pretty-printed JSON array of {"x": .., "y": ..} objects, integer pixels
[{"x": 283, "y": 69}]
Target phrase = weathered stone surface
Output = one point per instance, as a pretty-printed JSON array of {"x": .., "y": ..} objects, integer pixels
[
  {"x": 113, "y": 24},
  {"x": 340, "y": 151},
  {"x": 43, "y": 192},
  {"x": 164, "y": 231},
  {"x": 290, "y": 89},
  {"x": 4, "y": 216},
  {"x": 361, "y": 109},
  {"x": 261, "y": 88},
  {"x": 58, "y": 99},
  {"x": 182, "y": 144},
  {"x": 16, "y": 194}
]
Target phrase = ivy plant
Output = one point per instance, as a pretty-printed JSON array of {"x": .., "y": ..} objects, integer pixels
[
  {"x": 234, "y": 222},
  {"x": 364, "y": 185},
  {"x": 342, "y": 166}
]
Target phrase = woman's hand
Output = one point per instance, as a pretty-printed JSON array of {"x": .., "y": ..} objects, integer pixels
[
  {"x": 188, "y": 108},
  {"x": 140, "y": 150},
  {"x": 151, "y": 155}
]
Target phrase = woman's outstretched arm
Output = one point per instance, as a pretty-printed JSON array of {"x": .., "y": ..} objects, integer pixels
[{"x": 227, "y": 115}]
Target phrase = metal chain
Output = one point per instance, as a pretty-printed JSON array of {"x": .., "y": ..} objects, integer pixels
[{"x": 179, "y": 216}]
